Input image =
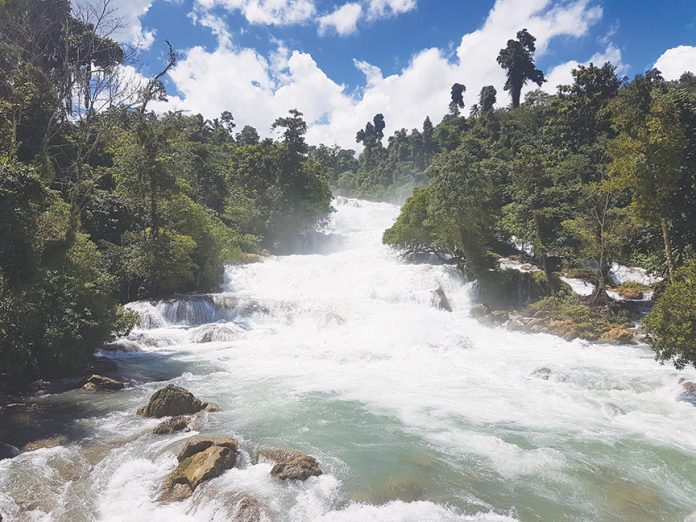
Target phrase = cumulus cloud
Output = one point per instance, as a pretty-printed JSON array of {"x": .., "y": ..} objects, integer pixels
[
  {"x": 382, "y": 8},
  {"x": 257, "y": 88},
  {"x": 122, "y": 20},
  {"x": 268, "y": 12},
  {"x": 561, "y": 74},
  {"x": 676, "y": 61},
  {"x": 344, "y": 20}
]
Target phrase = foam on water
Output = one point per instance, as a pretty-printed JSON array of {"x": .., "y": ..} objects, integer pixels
[{"x": 413, "y": 412}]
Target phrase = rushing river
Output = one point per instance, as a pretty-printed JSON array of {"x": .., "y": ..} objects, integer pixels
[{"x": 415, "y": 414}]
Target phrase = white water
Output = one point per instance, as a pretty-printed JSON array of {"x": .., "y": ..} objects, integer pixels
[{"x": 415, "y": 414}]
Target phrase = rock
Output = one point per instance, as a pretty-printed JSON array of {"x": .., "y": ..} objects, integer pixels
[
  {"x": 99, "y": 382},
  {"x": 441, "y": 301},
  {"x": 479, "y": 310},
  {"x": 516, "y": 325},
  {"x": 542, "y": 373},
  {"x": 171, "y": 401},
  {"x": 197, "y": 443},
  {"x": 211, "y": 407},
  {"x": 540, "y": 314},
  {"x": 300, "y": 468},
  {"x": 122, "y": 345},
  {"x": 8, "y": 451},
  {"x": 277, "y": 454},
  {"x": 172, "y": 425},
  {"x": 49, "y": 442},
  {"x": 244, "y": 508},
  {"x": 209, "y": 333},
  {"x": 618, "y": 334},
  {"x": 497, "y": 317},
  {"x": 688, "y": 393},
  {"x": 191, "y": 472},
  {"x": 537, "y": 325}
]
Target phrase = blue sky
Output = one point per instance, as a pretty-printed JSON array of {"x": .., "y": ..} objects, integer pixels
[{"x": 340, "y": 62}]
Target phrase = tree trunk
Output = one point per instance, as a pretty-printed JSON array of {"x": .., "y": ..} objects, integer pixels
[
  {"x": 515, "y": 93},
  {"x": 668, "y": 248}
]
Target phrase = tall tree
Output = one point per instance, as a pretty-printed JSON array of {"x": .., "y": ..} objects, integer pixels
[
  {"x": 456, "y": 98},
  {"x": 487, "y": 98},
  {"x": 517, "y": 58}
]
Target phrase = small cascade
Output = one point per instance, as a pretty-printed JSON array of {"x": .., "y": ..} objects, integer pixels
[{"x": 150, "y": 315}]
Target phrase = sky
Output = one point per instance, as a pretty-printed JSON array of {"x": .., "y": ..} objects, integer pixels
[{"x": 341, "y": 62}]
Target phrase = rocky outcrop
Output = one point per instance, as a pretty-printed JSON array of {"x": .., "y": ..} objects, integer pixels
[
  {"x": 291, "y": 464},
  {"x": 174, "y": 400},
  {"x": 440, "y": 300},
  {"x": 8, "y": 451},
  {"x": 101, "y": 383},
  {"x": 619, "y": 334},
  {"x": 172, "y": 425},
  {"x": 200, "y": 459}
]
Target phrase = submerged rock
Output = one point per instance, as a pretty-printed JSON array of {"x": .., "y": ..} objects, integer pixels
[
  {"x": 174, "y": 400},
  {"x": 440, "y": 300},
  {"x": 200, "y": 459},
  {"x": 172, "y": 425},
  {"x": 8, "y": 451},
  {"x": 688, "y": 393},
  {"x": 291, "y": 464},
  {"x": 49, "y": 442},
  {"x": 542, "y": 373},
  {"x": 99, "y": 382},
  {"x": 244, "y": 508}
]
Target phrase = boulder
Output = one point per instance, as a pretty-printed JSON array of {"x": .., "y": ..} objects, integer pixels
[
  {"x": 171, "y": 401},
  {"x": 618, "y": 334},
  {"x": 479, "y": 310},
  {"x": 516, "y": 325},
  {"x": 688, "y": 393},
  {"x": 498, "y": 317},
  {"x": 244, "y": 508},
  {"x": 196, "y": 469},
  {"x": 172, "y": 425},
  {"x": 99, "y": 382},
  {"x": 197, "y": 443},
  {"x": 542, "y": 373},
  {"x": 291, "y": 464},
  {"x": 122, "y": 345},
  {"x": 440, "y": 300}
]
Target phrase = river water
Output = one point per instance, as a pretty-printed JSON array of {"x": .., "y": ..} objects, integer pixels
[{"x": 415, "y": 414}]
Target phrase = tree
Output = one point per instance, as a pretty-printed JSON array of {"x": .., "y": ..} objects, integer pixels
[
  {"x": 517, "y": 58},
  {"x": 648, "y": 154},
  {"x": 248, "y": 136},
  {"x": 456, "y": 98},
  {"x": 487, "y": 98},
  {"x": 672, "y": 321}
]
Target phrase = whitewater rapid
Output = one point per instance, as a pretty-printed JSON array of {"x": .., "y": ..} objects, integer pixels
[{"x": 415, "y": 414}]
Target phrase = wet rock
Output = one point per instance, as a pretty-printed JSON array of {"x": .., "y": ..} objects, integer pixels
[
  {"x": 299, "y": 468},
  {"x": 211, "y": 407},
  {"x": 172, "y": 425},
  {"x": 196, "y": 469},
  {"x": 197, "y": 443},
  {"x": 171, "y": 401},
  {"x": 244, "y": 508},
  {"x": 440, "y": 300},
  {"x": 49, "y": 442},
  {"x": 542, "y": 373},
  {"x": 498, "y": 317},
  {"x": 688, "y": 393},
  {"x": 618, "y": 334},
  {"x": 213, "y": 333},
  {"x": 537, "y": 325},
  {"x": 8, "y": 451},
  {"x": 516, "y": 325},
  {"x": 99, "y": 382},
  {"x": 479, "y": 310},
  {"x": 277, "y": 454},
  {"x": 122, "y": 345}
]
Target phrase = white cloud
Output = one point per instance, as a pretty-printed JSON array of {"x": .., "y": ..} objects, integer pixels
[
  {"x": 676, "y": 61},
  {"x": 344, "y": 20},
  {"x": 562, "y": 74},
  {"x": 257, "y": 89},
  {"x": 268, "y": 12},
  {"x": 382, "y": 8}
]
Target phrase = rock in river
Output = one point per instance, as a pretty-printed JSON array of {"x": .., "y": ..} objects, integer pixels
[
  {"x": 99, "y": 382},
  {"x": 174, "y": 400},
  {"x": 291, "y": 464},
  {"x": 172, "y": 425}
]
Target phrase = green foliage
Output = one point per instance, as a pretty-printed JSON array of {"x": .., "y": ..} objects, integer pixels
[
  {"x": 412, "y": 234},
  {"x": 672, "y": 320},
  {"x": 517, "y": 58}
]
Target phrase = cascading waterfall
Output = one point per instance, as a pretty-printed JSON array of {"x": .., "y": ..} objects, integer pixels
[{"x": 416, "y": 414}]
